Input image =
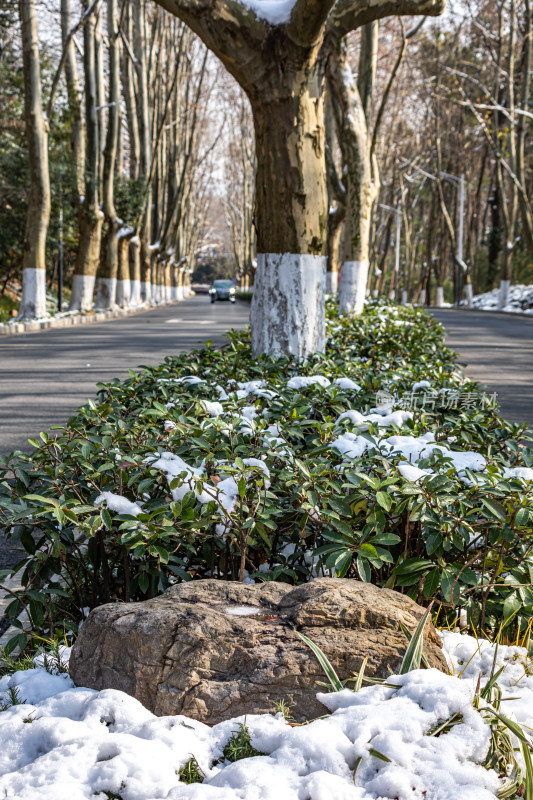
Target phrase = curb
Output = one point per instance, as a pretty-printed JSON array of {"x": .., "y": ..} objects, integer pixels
[{"x": 35, "y": 326}]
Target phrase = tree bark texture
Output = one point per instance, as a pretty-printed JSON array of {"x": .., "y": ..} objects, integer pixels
[{"x": 33, "y": 303}]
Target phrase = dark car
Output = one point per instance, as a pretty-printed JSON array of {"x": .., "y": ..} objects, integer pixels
[{"x": 222, "y": 290}]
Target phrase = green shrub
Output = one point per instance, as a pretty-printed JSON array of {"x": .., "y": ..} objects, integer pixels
[{"x": 463, "y": 541}]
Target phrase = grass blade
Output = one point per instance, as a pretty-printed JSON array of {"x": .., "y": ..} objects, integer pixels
[
  {"x": 413, "y": 654},
  {"x": 360, "y": 675},
  {"x": 323, "y": 660}
]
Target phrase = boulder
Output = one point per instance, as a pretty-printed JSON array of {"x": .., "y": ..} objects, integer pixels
[{"x": 213, "y": 649}]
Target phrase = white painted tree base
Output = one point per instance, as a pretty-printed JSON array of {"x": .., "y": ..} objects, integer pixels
[
  {"x": 135, "y": 299},
  {"x": 287, "y": 313},
  {"x": 179, "y": 293},
  {"x": 124, "y": 293},
  {"x": 439, "y": 302},
  {"x": 33, "y": 303},
  {"x": 332, "y": 282},
  {"x": 404, "y": 297},
  {"x": 82, "y": 295},
  {"x": 146, "y": 292},
  {"x": 352, "y": 287},
  {"x": 503, "y": 295},
  {"x": 106, "y": 290},
  {"x": 469, "y": 293},
  {"x": 422, "y": 298}
]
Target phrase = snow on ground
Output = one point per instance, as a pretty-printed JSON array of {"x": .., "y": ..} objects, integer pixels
[
  {"x": 520, "y": 300},
  {"x": 68, "y": 743}
]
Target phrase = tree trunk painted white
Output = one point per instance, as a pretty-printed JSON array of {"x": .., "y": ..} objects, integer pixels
[
  {"x": 135, "y": 271},
  {"x": 352, "y": 287},
  {"x": 123, "y": 293},
  {"x": 469, "y": 295},
  {"x": 33, "y": 303},
  {"x": 404, "y": 297},
  {"x": 503, "y": 295},
  {"x": 422, "y": 298},
  {"x": 439, "y": 301},
  {"x": 288, "y": 304},
  {"x": 82, "y": 293},
  {"x": 135, "y": 298},
  {"x": 106, "y": 291},
  {"x": 332, "y": 282},
  {"x": 146, "y": 292}
]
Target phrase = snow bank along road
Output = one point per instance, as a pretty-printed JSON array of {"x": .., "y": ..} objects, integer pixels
[
  {"x": 498, "y": 350},
  {"x": 45, "y": 376}
]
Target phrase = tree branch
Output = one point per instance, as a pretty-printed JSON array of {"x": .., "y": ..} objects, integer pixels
[
  {"x": 227, "y": 27},
  {"x": 307, "y": 20},
  {"x": 348, "y": 15}
]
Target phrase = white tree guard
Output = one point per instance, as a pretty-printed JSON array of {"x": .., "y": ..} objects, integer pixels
[
  {"x": 422, "y": 298},
  {"x": 352, "y": 287},
  {"x": 135, "y": 298},
  {"x": 124, "y": 293},
  {"x": 33, "y": 303},
  {"x": 146, "y": 292},
  {"x": 106, "y": 292},
  {"x": 503, "y": 294},
  {"x": 469, "y": 295},
  {"x": 332, "y": 282},
  {"x": 287, "y": 314},
  {"x": 439, "y": 301},
  {"x": 82, "y": 295}
]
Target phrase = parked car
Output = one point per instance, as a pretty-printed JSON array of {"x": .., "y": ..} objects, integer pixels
[{"x": 222, "y": 290}]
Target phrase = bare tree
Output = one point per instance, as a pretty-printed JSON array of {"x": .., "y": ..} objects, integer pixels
[
  {"x": 33, "y": 303},
  {"x": 280, "y": 63}
]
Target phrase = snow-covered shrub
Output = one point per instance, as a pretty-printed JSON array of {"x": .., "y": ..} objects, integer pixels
[{"x": 376, "y": 460}]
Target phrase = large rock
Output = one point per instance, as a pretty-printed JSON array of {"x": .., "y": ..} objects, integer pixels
[{"x": 211, "y": 649}]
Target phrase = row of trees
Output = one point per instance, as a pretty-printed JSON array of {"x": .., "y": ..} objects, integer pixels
[
  {"x": 429, "y": 125},
  {"x": 394, "y": 153},
  {"x": 120, "y": 113}
]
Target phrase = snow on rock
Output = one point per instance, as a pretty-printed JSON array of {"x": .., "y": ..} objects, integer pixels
[
  {"x": 118, "y": 503},
  {"x": 303, "y": 381},
  {"x": 83, "y": 744}
]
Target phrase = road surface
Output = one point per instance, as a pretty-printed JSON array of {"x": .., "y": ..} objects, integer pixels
[
  {"x": 45, "y": 376},
  {"x": 498, "y": 351}
]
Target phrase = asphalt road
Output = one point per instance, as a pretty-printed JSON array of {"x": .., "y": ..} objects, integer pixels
[
  {"x": 45, "y": 376},
  {"x": 498, "y": 352}
]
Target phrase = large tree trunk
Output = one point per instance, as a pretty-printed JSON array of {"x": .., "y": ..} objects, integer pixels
[
  {"x": 77, "y": 133},
  {"x": 291, "y": 218},
  {"x": 361, "y": 189},
  {"x": 90, "y": 216},
  {"x": 33, "y": 303},
  {"x": 107, "y": 280}
]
